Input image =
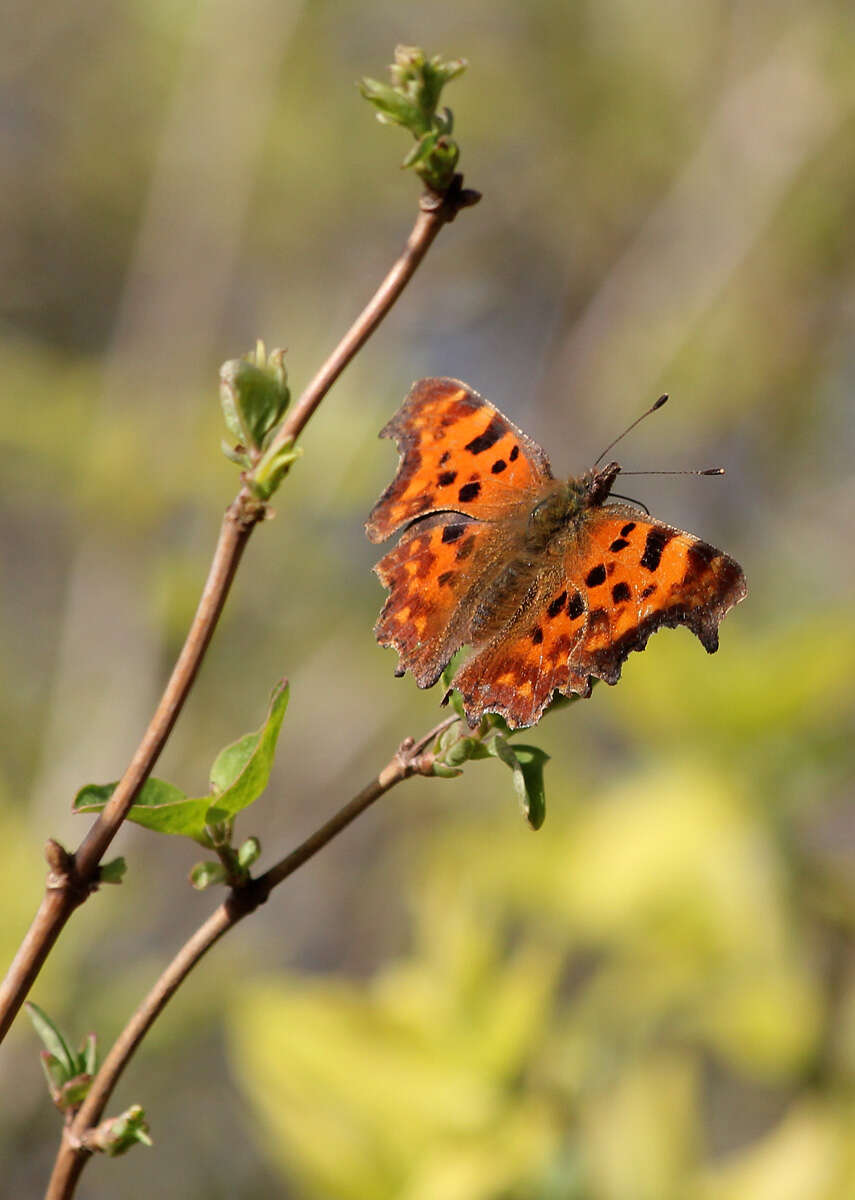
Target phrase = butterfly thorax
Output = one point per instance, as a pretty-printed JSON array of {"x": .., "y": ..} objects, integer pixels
[
  {"x": 563, "y": 505},
  {"x": 553, "y": 523}
]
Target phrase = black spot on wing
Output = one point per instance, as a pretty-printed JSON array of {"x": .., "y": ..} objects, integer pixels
[
  {"x": 657, "y": 539},
  {"x": 514, "y": 454},
  {"x": 575, "y": 606},
  {"x": 446, "y": 478},
  {"x": 446, "y": 455},
  {"x": 468, "y": 492},
  {"x": 627, "y": 529},
  {"x": 452, "y": 532},
  {"x": 649, "y": 590},
  {"x": 620, "y": 592},
  {"x": 537, "y": 635},
  {"x": 498, "y": 466},
  {"x": 596, "y": 576},
  {"x": 488, "y": 438},
  {"x": 619, "y": 544},
  {"x": 557, "y": 605}
]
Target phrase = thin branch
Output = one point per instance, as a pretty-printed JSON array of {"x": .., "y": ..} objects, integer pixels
[
  {"x": 72, "y": 879},
  {"x": 70, "y": 886},
  {"x": 410, "y": 759},
  {"x": 435, "y": 211}
]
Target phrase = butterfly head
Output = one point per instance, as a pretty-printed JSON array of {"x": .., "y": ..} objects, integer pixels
[{"x": 598, "y": 483}]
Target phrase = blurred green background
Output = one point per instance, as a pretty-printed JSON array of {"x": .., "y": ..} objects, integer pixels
[{"x": 653, "y": 997}]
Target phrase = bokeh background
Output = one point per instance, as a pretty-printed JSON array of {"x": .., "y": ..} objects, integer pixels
[{"x": 652, "y": 997}]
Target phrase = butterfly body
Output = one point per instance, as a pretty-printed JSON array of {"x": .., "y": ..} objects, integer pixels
[{"x": 551, "y": 585}]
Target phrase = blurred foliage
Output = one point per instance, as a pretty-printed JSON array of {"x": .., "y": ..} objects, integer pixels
[
  {"x": 653, "y": 996},
  {"x": 602, "y": 1010}
]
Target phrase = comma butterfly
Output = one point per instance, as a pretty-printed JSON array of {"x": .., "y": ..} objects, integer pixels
[{"x": 550, "y": 585}]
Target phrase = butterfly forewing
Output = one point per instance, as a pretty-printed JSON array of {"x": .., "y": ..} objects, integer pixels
[{"x": 458, "y": 454}]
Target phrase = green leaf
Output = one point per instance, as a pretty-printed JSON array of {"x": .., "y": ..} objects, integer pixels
[
  {"x": 393, "y": 108},
  {"x": 242, "y": 770},
  {"x": 249, "y": 852},
  {"x": 531, "y": 761},
  {"x": 236, "y": 454},
  {"x": 254, "y": 395},
  {"x": 113, "y": 871},
  {"x": 160, "y": 806},
  {"x": 55, "y": 1074},
  {"x": 445, "y": 772},
  {"x": 116, "y": 1135},
  {"x": 73, "y": 1093},
  {"x": 454, "y": 697},
  {"x": 87, "y": 1059},
  {"x": 204, "y": 874},
  {"x": 527, "y": 763},
  {"x": 239, "y": 775},
  {"x": 52, "y": 1040},
  {"x": 272, "y": 468}
]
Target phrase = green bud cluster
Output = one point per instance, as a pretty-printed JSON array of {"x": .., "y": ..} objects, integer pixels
[
  {"x": 411, "y": 100},
  {"x": 254, "y": 396}
]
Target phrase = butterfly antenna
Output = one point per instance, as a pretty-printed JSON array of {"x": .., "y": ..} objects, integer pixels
[
  {"x": 621, "y": 436},
  {"x": 705, "y": 471}
]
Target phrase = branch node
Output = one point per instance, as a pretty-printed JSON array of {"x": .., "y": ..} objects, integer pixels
[
  {"x": 451, "y": 200},
  {"x": 61, "y": 864}
]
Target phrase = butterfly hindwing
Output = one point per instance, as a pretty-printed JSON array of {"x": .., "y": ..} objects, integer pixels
[
  {"x": 429, "y": 575},
  {"x": 624, "y": 577}
]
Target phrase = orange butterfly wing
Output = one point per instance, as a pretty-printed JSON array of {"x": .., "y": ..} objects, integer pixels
[
  {"x": 463, "y": 469},
  {"x": 624, "y": 576},
  {"x": 429, "y": 575},
  {"x": 458, "y": 454}
]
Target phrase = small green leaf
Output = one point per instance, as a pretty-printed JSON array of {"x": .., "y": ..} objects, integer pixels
[
  {"x": 87, "y": 1059},
  {"x": 461, "y": 751},
  {"x": 160, "y": 806},
  {"x": 243, "y": 769},
  {"x": 422, "y": 150},
  {"x": 254, "y": 395},
  {"x": 117, "y": 1135},
  {"x": 73, "y": 1093},
  {"x": 55, "y": 1074},
  {"x": 454, "y": 697},
  {"x": 113, "y": 871},
  {"x": 527, "y": 763},
  {"x": 236, "y": 454},
  {"x": 392, "y": 107},
  {"x": 52, "y": 1040},
  {"x": 445, "y": 772},
  {"x": 231, "y": 761},
  {"x": 272, "y": 468},
  {"x": 497, "y": 721},
  {"x": 532, "y": 761},
  {"x": 249, "y": 852},
  {"x": 204, "y": 874}
]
